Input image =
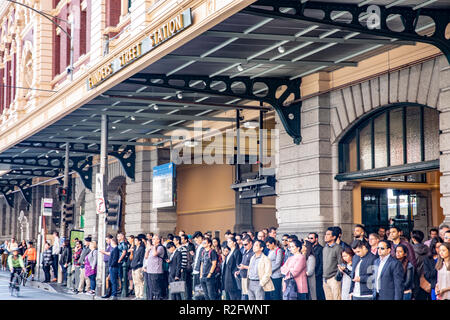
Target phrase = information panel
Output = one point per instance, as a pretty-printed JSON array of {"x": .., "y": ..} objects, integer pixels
[{"x": 163, "y": 185}]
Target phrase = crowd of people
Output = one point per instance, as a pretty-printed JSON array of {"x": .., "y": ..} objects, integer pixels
[{"x": 387, "y": 265}]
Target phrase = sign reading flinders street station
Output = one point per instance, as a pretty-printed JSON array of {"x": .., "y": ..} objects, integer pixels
[{"x": 136, "y": 51}]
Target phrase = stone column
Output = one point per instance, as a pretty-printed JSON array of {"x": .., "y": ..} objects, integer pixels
[
  {"x": 304, "y": 173},
  {"x": 444, "y": 136}
]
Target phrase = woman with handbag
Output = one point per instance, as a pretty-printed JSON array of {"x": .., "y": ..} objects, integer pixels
[{"x": 295, "y": 286}]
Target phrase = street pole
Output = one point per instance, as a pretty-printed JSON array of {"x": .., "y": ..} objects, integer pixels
[
  {"x": 63, "y": 227},
  {"x": 101, "y": 274}
]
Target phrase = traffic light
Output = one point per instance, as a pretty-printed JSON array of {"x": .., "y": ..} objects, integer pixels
[
  {"x": 63, "y": 194},
  {"x": 68, "y": 212},
  {"x": 113, "y": 211},
  {"x": 56, "y": 218}
]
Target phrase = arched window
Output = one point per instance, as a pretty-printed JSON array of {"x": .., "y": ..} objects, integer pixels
[{"x": 402, "y": 138}]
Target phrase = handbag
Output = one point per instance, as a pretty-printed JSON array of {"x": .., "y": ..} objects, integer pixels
[
  {"x": 424, "y": 284},
  {"x": 291, "y": 291},
  {"x": 177, "y": 287}
]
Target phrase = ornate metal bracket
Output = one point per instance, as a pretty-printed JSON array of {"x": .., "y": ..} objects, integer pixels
[
  {"x": 7, "y": 189},
  {"x": 258, "y": 89},
  {"x": 127, "y": 158},
  {"x": 409, "y": 19},
  {"x": 81, "y": 165}
]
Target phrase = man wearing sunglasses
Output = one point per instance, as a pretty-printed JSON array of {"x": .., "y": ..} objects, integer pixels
[
  {"x": 317, "y": 251},
  {"x": 388, "y": 274},
  {"x": 243, "y": 267}
]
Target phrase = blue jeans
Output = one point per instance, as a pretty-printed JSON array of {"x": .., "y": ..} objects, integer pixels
[
  {"x": 407, "y": 296},
  {"x": 92, "y": 281},
  {"x": 113, "y": 277},
  {"x": 64, "y": 273}
]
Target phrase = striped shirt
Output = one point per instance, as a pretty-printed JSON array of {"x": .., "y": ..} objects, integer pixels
[{"x": 183, "y": 252}]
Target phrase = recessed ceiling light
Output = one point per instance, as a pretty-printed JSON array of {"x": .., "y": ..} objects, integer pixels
[
  {"x": 132, "y": 118},
  {"x": 191, "y": 143},
  {"x": 179, "y": 95},
  {"x": 281, "y": 49},
  {"x": 240, "y": 68},
  {"x": 251, "y": 124},
  {"x": 155, "y": 107},
  {"x": 113, "y": 127}
]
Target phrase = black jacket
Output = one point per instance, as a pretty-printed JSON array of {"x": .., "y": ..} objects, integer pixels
[
  {"x": 229, "y": 268},
  {"x": 366, "y": 273},
  {"x": 66, "y": 256},
  {"x": 138, "y": 258},
  {"x": 317, "y": 251},
  {"x": 391, "y": 280},
  {"x": 408, "y": 279},
  {"x": 175, "y": 266}
]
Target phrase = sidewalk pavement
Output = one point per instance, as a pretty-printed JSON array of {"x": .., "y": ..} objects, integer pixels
[{"x": 55, "y": 287}]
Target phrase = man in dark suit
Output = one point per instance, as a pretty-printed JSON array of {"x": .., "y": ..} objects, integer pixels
[
  {"x": 234, "y": 258},
  {"x": 174, "y": 267},
  {"x": 362, "y": 272},
  {"x": 317, "y": 251},
  {"x": 388, "y": 274}
]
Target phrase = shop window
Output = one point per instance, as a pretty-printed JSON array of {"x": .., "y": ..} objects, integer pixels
[{"x": 394, "y": 136}]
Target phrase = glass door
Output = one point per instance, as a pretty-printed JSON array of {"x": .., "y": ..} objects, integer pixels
[{"x": 406, "y": 209}]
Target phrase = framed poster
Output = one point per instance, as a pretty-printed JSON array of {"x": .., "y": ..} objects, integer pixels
[{"x": 164, "y": 185}]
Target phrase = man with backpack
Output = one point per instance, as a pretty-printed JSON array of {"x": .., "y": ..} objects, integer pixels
[
  {"x": 276, "y": 256},
  {"x": 209, "y": 270}
]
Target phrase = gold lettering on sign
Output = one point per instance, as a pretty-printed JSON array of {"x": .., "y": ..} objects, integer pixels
[
  {"x": 167, "y": 30},
  {"x": 130, "y": 54},
  {"x": 99, "y": 75}
]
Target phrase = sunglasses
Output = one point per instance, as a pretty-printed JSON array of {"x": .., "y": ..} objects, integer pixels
[
  {"x": 310, "y": 238},
  {"x": 245, "y": 244},
  {"x": 381, "y": 248}
]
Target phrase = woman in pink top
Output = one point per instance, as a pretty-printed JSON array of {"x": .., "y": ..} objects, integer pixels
[{"x": 295, "y": 267}]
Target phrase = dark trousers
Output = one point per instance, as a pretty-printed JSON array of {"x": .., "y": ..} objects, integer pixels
[
  {"x": 209, "y": 286},
  {"x": 46, "y": 269},
  {"x": 277, "y": 293},
  {"x": 188, "y": 279},
  {"x": 114, "y": 277},
  {"x": 155, "y": 291},
  {"x": 165, "y": 285},
  {"x": 319, "y": 288},
  {"x": 55, "y": 265},
  {"x": 233, "y": 295},
  {"x": 244, "y": 297}
]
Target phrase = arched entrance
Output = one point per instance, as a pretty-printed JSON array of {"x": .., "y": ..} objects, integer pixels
[{"x": 392, "y": 157}]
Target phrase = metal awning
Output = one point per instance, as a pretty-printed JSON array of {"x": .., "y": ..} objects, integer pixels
[{"x": 268, "y": 46}]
